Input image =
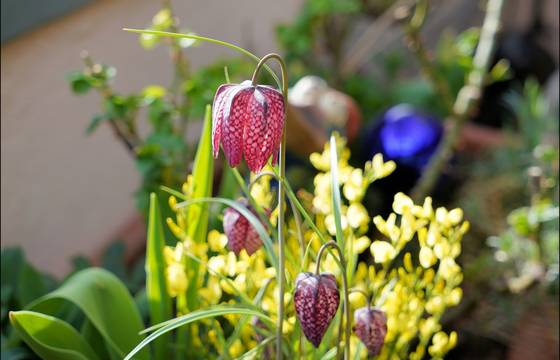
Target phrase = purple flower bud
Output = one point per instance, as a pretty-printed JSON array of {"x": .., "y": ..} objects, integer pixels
[
  {"x": 370, "y": 325},
  {"x": 240, "y": 233},
  {"x": 316, "y": 300},
  {"x": 248, "y": 120}
]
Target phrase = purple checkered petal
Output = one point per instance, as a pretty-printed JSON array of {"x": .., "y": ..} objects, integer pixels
[
  {"x": 248, "y": 121},
  {"x": 370, "y": 326},
  {"x": 316, "y": 300},
  {"x": 240, "y": 233}
]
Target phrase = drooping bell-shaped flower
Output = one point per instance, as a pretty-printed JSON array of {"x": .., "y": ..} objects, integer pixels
[
  {"x": 316, "y": 299},
  {"x": 239, "y": 231},
  {"x": 370, "y": 326},
  {"x": 248, "y": 121}
]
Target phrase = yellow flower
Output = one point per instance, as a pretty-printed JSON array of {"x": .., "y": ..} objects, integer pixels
[
  {"x": 448, "y": 268},
  {"x": 357, "y": 215},
  {"x": 361, "y": 244},
  {"x": 454, "y": 297},
  {"x": 236, "y": 348},
  {"x": 377, "y": 169},
  {"x": 401, "y": 203},
  {"x": 442, "y": 343},
  {"x": 331, "y": 226},
  {"x": 212, "y": 293},
  {"x": 216, "y": 241},
  {"x": 354, "y": 188},
  {"x": 435, "y": 305},
  {"x": 382, "y": 251},
  {"x": 455, "y": 216},
  {"x": 176, "y": 279},
  {"x": 427, "y": 257}
]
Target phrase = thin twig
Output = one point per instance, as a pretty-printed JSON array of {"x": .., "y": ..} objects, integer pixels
[{"x": 466, "y": 101}]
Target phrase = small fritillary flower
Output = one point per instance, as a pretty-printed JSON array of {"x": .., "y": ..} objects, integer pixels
[
  {"x": 370, "y": 327},
  {"x": 240, "y": 233},
  {"x": 316, "y": 299},
  {"x": 248, "y": 121}
]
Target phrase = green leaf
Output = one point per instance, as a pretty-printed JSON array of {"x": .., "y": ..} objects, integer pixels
[
  {"x": 105, "y": 301},
  {"x": 51, "y": 338},
  {"x": 192, "y": 317},
  {"x": 94, "y": 123},
  {"x": 94, "y": 339},
  {"x": 11, "y": 264},
  {"x": 79, "y": 82},
  {"x": 501, "y": 71},
  {"x": 31, "y": 284},
  {"x": 203, "y": 177},
  {"x": 156, "y": 286},
  {"x": 335, "y": 189}
]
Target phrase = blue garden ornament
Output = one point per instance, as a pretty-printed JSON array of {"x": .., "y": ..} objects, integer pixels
[{"x": 406, "y": 136}]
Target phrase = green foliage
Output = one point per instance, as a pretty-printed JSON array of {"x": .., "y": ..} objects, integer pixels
[
  {"x": 105, "y": 302},
  {"x": 51, "y": 338},
  {"x": 156, "y": 284}
]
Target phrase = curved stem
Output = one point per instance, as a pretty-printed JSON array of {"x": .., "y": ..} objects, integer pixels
[
  {"x": 333, "y": 244},
  {"x": 281, "y": 196},
  {"x": 368, "y": 297}
]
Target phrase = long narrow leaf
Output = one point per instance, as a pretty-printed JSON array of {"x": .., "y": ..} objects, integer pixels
[
  {"x": 192, "y": 317},
  {"x": 156, "y": 284},
  {"x": 335, "y": 190},
  {"x": 197, "y": 215}
]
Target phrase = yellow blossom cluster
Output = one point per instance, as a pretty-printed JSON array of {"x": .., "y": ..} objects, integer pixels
[{"x": 413, "y": 275}]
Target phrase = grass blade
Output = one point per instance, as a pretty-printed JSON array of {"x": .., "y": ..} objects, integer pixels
[
  {"x": 192, "y": 317},
  {"x": 156, "y": 286}
]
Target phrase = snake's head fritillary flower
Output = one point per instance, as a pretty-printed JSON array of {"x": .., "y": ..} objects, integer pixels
[
  {"x": 370, "y": 325},
  {"x": 248, "y": 121},
  {"x": 316, "y": 299},
  {"x": 239, "y": 231}
]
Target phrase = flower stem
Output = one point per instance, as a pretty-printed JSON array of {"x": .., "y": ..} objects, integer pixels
[
  {"x": 297, "y": 216},
  {"x": 281, "y": 198},
  {"x": 333, "y": 244}
]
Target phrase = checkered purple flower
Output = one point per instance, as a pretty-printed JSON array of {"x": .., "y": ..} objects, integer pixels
[
  {"x": 240, "y": 233},
  {"x": 370, "y": 326},
  {"x": 316, "y": 299},
  {"x": 248, "y": 121}
]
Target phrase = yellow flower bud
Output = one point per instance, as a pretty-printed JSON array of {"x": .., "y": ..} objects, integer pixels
[
  {"x": 401, "y": 203},
  {"x": 427, "y": 257},
  {"x": 176, "y": 279},
  {"x": 216, "y": 241},
  {"x": 236, "y": 348},
  {"x": 361, "y": 244},
  {"x": 455, "y": 216},
  {"x": 454, "y": 297},
  {"x": 357, "y": 215},
  {"x": 382, "y": 251}
]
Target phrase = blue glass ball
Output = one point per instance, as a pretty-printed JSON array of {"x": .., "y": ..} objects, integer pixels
[{"x": 406, "y": 136}]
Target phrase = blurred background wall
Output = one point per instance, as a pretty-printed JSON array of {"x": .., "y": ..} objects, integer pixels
[{"x": 64, "y": 193}]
